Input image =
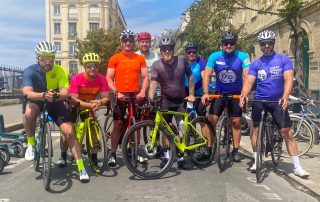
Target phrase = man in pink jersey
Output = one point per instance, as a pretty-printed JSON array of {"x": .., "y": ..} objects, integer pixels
[{"x": 84, "y": 88}]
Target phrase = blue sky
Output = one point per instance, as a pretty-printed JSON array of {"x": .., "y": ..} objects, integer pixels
[{"x": 22, "y": 24}]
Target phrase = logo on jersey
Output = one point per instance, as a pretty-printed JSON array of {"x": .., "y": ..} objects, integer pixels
[
  {"x": 262, "y": 75},
  {"x": 247, "y": 62},
  {"x": 53, "y": 76},
  {"x": 227, "y": 76},
  {"x": 220, "y": 63}
]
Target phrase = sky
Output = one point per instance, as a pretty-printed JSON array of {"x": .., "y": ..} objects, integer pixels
[{"x": 22, "y": 24}]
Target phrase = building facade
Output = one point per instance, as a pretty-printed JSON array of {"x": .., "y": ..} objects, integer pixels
[
  {"x": 67, "y": 20},
  {"x": 254, "y": 23}
]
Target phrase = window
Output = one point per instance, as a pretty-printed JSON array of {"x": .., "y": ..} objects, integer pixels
[
  {"x": 73, "y": 68},
  {"x": 57, "y": 62},
  {"x": 72, "y": 48},
  {"x": 72, "y": 29},
  {"x": 72, "y": 12},
  {"x": 94, "y": 12},
  {"x": 57, "y": 28},
  {"x": 58, "y": 46},
  {"x": 93, "y": 25},
  {"x": 56, "y": 10}
]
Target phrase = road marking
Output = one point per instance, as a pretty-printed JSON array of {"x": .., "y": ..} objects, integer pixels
[
  {"x": 4, "y": 200},
  {"x": 236, "y": 194},
  {"x": 270, "y": 195}
]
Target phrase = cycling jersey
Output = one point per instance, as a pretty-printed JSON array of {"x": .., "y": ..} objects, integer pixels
[
  {"x": 88, "y": 88},
  {"x": 152, "y": 57},
  {"x": 57, "y": 78},
  {"x": 269, "y": 73},
  {"x": 127, "y": 70},
  {"x": 197, "y": 67},
  {"x": 171, "y": 76},
  {"x": 228, "y": 69}
]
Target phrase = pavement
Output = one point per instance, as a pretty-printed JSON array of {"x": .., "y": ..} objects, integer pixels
[{"x": 310, "y": 163}]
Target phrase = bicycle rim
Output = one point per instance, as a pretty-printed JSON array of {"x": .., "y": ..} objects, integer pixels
[
  {"x": 96, "y": 145},
  {"x": 260, "y": 151},
  {"x": 276, "y": 145},
  {"x": 199, "y": 156},
  {"x": 223, "y": 144},
  {"x": 36, "y": 160},
  {"x": 46, "y": 155},
  {"x": 135, "y": 149},
  {"x": 107, "y": 128}
]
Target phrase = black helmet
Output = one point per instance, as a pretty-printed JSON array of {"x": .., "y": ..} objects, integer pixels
[
  {"x": 190, "y": 45},
  {"x": 167, "y": 41},
  {"x": 229, "y": 36}
]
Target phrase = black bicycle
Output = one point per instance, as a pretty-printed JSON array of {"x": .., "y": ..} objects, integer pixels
[{"x": 269, "y": 140}]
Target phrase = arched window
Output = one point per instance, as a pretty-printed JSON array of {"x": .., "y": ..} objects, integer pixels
[
  {"x": 72, "y": 12},
  {"x": 94, "y": 11}
]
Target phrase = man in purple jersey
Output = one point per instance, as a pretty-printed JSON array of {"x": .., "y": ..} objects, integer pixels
[{"x": 273, "y": 74}]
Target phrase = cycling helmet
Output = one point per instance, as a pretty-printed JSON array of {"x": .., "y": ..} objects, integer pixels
[
  {"x": 91, "y": 57},
  {"x": 266, "y": 35},
  {"x": 143, "y": 35},
  {"x": 167, "y": 41},
  {"x": 229, "y": 36},
  {"x": 190, "y": 45},
  {"x": 45, "y": 48},
  {"x": 127, "y": 34}
]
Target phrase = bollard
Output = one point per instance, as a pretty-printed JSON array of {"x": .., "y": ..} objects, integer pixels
[{"x": 2, "y": 129}]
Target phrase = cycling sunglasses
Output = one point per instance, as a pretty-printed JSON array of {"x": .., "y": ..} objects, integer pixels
[
  {"x": 192, "y": 52},
  {"x": 92, "y": 65},
  {"x": 264, "y": 43},
  {"x": 166, "y": 48},
  {"x": 227, "y": 43}
]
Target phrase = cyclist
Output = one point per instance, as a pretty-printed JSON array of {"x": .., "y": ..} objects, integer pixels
[
  {"x": 84, "y": 88},
  {"x": 231, "y": 67},
  {"x": 123, "y": 73},
  {"x": 48, "y": 81},
  {"x": 273, "y": 74},
  {"x": 169, "y": 72},
  {"x": 197, "y": 65}
]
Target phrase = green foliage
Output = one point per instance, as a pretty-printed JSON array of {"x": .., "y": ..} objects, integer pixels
[{"x": 104, "y": 43}]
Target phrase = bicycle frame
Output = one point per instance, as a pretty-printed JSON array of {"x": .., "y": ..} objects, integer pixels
[{"x": 161, "y": 122}]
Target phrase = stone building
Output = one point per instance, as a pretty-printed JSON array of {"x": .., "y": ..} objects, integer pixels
[
  {"x": 67, "y": 20},
  {"x": 310, "y": 24}
]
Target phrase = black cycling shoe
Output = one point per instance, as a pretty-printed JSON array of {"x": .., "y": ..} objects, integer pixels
[
  {"x": 205, "y": 155},
  {"x": 182, "y": 164},
  {"x": 236, "y": 156}
]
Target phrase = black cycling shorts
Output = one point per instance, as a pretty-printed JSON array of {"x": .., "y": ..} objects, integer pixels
[
  {"x": 281, "y": 118},
  {"x": 199, "y": 107},
  {"x": 120, "y": 109},
  {"x": 177, "y": 105},
  {"x": 218, "y": 105}
]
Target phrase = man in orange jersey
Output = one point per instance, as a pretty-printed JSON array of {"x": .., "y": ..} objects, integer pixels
[{"x": 123, "y": 73}]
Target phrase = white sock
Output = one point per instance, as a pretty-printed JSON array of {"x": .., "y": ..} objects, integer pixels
[
  {"x": 255, "y": 157},
  {"x": 166, "y": 154},
  {"x": 180, "y": 159},
  {"x": 296, "y": 161}
]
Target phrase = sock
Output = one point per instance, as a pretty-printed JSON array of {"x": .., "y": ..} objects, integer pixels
[
  {"x": 235, "y": 150},
  {"x": 166, "y": 154},
  {"x": 80, "y": 164},
  {"x": 181, "y": 159},
  {"x": 255, "y": 157},
  {"x": 31, "y": 140},
  {"x": 64, "y": 155},
  {"x": 209, "y": 149},
  {"x": 296, "y": 161}
]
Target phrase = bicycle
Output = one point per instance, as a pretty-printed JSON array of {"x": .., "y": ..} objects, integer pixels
[
  {"x": 151, "y": 147},
  {"x": 43, "y": 147},
  {"x": 267, "y": 141},
  {"x": 87, "y": 127},
  {"x": 225, "y": 138}
]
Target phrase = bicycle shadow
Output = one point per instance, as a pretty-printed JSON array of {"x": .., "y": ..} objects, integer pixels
[{"x": 113, "y": 171}]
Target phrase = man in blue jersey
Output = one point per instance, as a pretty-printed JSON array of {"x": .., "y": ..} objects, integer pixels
[
  {"x": 273, "y": 74},
  {"x": 230, "y": 67},
  {"x": 197, "y": 66}
]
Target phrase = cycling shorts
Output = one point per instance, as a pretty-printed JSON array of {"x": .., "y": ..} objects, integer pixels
[
  {"x": 177, "y": 105},
  {"x": 120, "y": 109},
  {"x": 218, "y": 105},
  {"x": 199, "y": 107},
  {"x": 281, "y": 118}
]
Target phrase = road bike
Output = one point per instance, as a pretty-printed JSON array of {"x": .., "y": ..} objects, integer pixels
[{"x": 150, "y": 144}]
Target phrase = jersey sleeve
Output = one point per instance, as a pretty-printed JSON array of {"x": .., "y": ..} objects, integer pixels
[
  {"x": 287, "y": 64},
  {"x": 245, "y": 60},
  {"x": 112, "y": 62},
  {"x": 202, "y": 63},
  {"x": 74, "y": 85},
  {"x": 154, "y": 71},
  {"x": 253, "y": 69},
  {"x": 64, "y": 79},
  {"x": 212, "y": 59},
  {"x": 143, "y": 63},
  {"x": 27, "y": 78}
]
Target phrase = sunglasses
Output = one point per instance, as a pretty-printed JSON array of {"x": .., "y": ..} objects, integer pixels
[
  {"x": 166, "y": 48},
  {"x": 228, "y": 43},
  {"x": 92, "y": 65},
  {"x": 191, "y": 52},
  {"x": 127, "y": 40},
  {"x": 46, "y": 59},
  {"x": 264, "y": 43}
]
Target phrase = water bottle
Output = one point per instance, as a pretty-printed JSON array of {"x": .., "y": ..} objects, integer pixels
[{"x": 181, "y": 129}]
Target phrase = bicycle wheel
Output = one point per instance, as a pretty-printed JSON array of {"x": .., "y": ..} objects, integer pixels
[
  {"x": 5, "y": 155},
  {"x": 19, "y": 151},
  {"x": 36, "y": 160},
  {"x": 107, "y": 128},
  {"x": 46, "y": 154},
  {"x": 260, "y": 151},
  {"x": 303, "y": 135},
  {"x": 275, "y": 140},
  {"x": 200, "y": 156},
  {"x": 224, "y": 144},
  {"x": 2, "y": 164},
  {"x": 96, "y": 147},
  {"x": 135, "y": 149}
]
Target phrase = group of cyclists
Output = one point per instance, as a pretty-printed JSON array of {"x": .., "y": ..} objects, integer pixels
[{"x": 182, "y": 82}]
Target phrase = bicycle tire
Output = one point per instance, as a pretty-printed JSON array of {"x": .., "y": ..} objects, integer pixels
[
  {"x": 5, "y": 155},
  {"x": 275, "y": 139},
  {"x": 224, "y": 143},
  {"x": 19, "y": 150},
  {"x": 36, "y": 160},
  {"x": 193, "y": 138},
  {"x": 303, "y": 137},
  {"x": 46, "y": 155},
  {"x": 155, "y": 166},
  {"x": 260, "y": 151},
  {"x": 2, "y": 165},
  {"x": 100, "y": 145}
]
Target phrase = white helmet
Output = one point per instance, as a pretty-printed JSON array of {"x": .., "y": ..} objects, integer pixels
[
  {"x": 266, "y": 35},
  {"x": 127, "y": 34},
  {"x": 45, "y": 48}
]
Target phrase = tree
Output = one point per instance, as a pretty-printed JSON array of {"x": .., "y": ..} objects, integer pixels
[{"x": 104, "y": 43}]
